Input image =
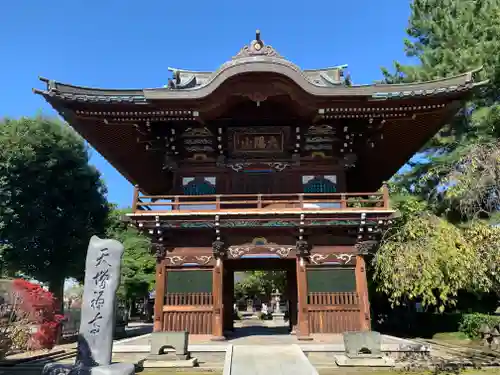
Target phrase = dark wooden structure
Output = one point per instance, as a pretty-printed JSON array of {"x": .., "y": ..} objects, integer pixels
[{"x": 261, "y": 158}]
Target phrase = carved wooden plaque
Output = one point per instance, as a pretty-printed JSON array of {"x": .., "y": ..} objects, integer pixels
[
  {"x": 253, "y": 141},
  {"x": 260, "y": 142}
]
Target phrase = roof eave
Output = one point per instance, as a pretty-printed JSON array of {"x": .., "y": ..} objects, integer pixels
[{"x": 463, "y": 83}]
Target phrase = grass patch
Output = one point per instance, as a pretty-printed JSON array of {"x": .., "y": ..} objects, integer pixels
[{"x": 451, "y": 337}]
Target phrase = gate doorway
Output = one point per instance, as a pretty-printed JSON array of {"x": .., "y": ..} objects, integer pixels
[{"x": 246, "y": 320}]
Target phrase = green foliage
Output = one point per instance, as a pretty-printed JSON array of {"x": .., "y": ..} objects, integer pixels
[
  {"x": 263, "y": 316},
  {"x": 257, "y": 283},
  {"x": 486, "y": 241},
  {"x": 51, "y": 200},
  {"x": 426, "y": 258},
  {"x": 471, "y": 323},
  {"x": 408, "y": 206},
  {"x": 138, "y": 265},
  {"x": 450, "y": 37}
]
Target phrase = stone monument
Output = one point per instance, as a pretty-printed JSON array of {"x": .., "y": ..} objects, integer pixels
[
  {"x": 250, "y": 305},
  {"x": 276, "y": 295},
  {"x": 98, "y": 314},
  {"x": 278, "y": 316},
  {"x": 363, "y": 349}
]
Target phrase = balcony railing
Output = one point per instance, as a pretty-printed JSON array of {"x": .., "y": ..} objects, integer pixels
[{"x": 260, "y": 203}]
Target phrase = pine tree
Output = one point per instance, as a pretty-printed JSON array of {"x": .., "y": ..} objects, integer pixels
[{"x": 450, "y": 37}]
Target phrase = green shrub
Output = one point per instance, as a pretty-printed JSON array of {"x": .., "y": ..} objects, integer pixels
[
  {"x": 237, "y": 315},
  {"x": 263, "y": 316},
  {"x": 471, "y": 323}
]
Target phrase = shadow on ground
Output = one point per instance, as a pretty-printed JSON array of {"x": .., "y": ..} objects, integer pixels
[{"x": 257, "y": 330}]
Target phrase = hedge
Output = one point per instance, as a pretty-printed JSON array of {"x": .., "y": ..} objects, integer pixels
[{"x": 470, "y": 324}]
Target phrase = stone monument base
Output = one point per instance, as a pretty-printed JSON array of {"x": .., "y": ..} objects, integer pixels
[
  {"x": 279, "y": 317},
  {"x": 158, "y": 362},
  {"x": 113, "y": 369},
  {"x": 345, "y": 361}
]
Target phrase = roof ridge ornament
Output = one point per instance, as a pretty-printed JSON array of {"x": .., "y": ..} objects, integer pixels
[{"x": 257, "y": 48}]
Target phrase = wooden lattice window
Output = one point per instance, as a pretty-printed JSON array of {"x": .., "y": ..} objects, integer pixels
[
  {"x": 319, "y": 184},
  {"x": 198, "y": 185}
]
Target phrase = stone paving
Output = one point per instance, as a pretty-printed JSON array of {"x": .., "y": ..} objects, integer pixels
[
  {"x": 259, "y": 335},
  {"x": 270, "y": 359}
]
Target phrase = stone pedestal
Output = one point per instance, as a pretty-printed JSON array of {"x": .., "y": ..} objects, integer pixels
[
  {"x": 161, "y": 354},
  {"x": 279, "y": 317},
  {"x": 369, "y": 361},
  {"x": 363, "y": 349},
  {"x": 163, "y": 361},
  {"x": 112, "y": 369}
]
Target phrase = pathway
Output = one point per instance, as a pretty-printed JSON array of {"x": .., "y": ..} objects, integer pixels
[{"x": 269, "y": 359}]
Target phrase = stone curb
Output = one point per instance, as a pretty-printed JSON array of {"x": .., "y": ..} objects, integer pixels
[{"x": 228, "y": 361}]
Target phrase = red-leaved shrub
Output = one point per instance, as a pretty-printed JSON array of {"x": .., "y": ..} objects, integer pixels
[{"x": 32, "y": 320}]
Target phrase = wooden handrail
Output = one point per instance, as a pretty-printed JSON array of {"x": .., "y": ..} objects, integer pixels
[
  {"x": 363, "y": 201},
  {"x": 352, "y": 195}
]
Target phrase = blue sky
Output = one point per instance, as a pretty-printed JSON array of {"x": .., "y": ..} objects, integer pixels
[{"x": 130, "y": 44}]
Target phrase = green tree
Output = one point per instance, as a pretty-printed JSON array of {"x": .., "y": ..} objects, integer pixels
[
  {"x": 427, "y": 259},
  {"x": 51, "y": 200},
  {"x": 449, "y": 37},
  {"x": 485, "y": 238},
  {"x": 256, "y": 283},
  {"x": 138, "y": 264}
]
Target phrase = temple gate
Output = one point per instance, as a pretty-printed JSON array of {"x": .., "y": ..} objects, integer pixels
[{"x": 261, "y": 164}]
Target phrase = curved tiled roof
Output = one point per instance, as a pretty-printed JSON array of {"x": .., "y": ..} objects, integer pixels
[{"x": 260, "y": 58}]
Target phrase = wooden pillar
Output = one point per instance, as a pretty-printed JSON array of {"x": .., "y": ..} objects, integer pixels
[
  {"x": 291, "y": 277},
  {"x": 227, "y": 303},
  {"x": 362, "y": 290},
  {"x": 160, "y": 288},
  {"x": 218, "y": 297},
  {"x": 303, "y": 314}
]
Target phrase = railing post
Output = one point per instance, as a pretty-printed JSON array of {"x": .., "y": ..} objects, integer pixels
[
  {"x": 301, "y": 200},
  {"x": 217, "y": 202},
  {"x": 385, "y": 195},
  {"x": 176, "y": 201},
  {"x": 135, "y": 199},
  {"x": 259, "y": 200},
  {"x": 343, "y": 201}
]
